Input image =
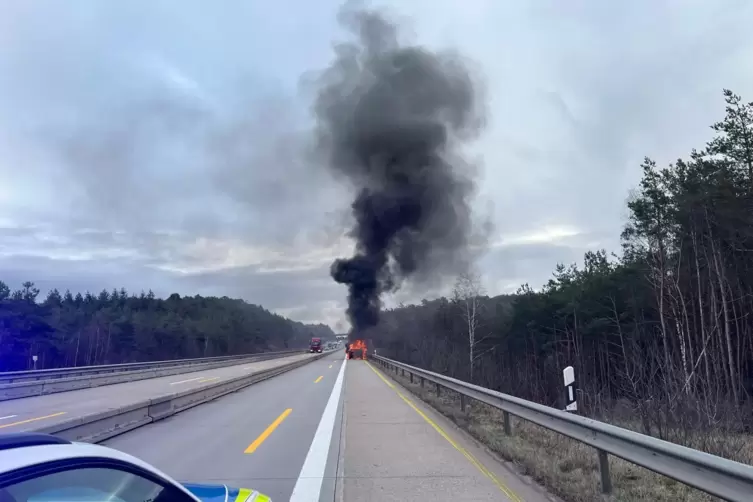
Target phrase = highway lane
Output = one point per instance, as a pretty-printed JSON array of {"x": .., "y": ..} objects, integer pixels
[
  {"x": 259, "y": 437},
  {"x": 328, "y": 431},
  {"x": 33, "y": 412}
]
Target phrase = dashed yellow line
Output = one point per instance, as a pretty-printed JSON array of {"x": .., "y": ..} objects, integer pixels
[
  {"x": 32, "y": 420},
  {"x": 268, "y": 431},
  {"x": 486, "y": 472},
  {"x": 318, "y": 379}
]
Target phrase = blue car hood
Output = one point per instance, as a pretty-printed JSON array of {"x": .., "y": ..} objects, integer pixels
[{"x": 217, "y": 493}]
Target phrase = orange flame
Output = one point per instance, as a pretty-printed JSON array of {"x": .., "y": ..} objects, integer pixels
[{"x": 357, "y": 345}]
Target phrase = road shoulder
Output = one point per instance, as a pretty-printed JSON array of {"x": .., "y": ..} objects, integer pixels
[
  {"x": 524, "y": 486},
  {"x": 397, "y": 449}
]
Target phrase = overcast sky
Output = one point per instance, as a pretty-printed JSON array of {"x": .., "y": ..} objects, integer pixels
[{"x": 163, "y": 144}]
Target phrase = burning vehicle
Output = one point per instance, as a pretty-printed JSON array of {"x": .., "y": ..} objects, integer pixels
[{"x": 357, "y": 350}]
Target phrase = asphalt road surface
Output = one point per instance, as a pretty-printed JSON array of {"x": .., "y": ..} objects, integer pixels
[
  {"x": 28, "y": 413},
  {"x": 397, "y": 449},
  {"x": 331, "y": 430},
  {"x": 256, "y": 438}
]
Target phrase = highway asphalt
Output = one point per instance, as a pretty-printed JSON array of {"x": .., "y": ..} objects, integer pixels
[
  {"x": 259, "y": 437},
  {"x": 398, "y": 448},
  {"x": 331, "y": 430},
  {"x": 32, "y": 412}
]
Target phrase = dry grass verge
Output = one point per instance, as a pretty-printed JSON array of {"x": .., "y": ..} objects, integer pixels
[{"x": 567, "y": 468}]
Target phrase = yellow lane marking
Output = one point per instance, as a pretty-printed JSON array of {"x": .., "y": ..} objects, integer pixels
[
  {"x": 205, "y": 380},
  {"x": 184, "y": 381},
  {"x": 269, "y": 430},
  {"x": 486, "y": 472},
  {"x": 318, "y": 379},
  {"x": 32, "y": 420}
]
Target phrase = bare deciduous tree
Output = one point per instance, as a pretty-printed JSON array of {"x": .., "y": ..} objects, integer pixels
[{"x": 467, "y": 295}]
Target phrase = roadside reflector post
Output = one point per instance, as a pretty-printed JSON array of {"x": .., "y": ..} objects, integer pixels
[
  {"x": 571, "y": 403},
  {"x": 606, "y": 479}
]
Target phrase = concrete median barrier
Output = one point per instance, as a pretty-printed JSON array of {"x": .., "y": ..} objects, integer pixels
[{"x": 103, "y": 425}]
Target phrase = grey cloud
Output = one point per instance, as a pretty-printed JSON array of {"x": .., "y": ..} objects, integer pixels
[
  {"x": 280, "y": 290},
  {"x": 532, "y": 263},
  {"x": 143, "y": 127},
  {"x": 83, "y": 275},
  {"x": 276, "y": 291}
]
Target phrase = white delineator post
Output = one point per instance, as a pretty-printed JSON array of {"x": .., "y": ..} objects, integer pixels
[{"x": 569, "y": 375}]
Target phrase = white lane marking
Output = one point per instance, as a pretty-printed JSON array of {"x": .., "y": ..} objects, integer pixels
[
  {"x": 9, "y": 416},
  {"x": 189, "y": 380},
  {"x": 309, "y": 485}
]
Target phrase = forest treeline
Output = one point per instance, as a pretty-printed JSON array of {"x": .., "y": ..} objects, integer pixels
[
  {"x": 66, "y": 329},
  {"x": 663, "y": 331}
]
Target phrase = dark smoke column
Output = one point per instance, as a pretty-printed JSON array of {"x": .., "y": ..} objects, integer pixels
[{"x": 391, "y": 117}]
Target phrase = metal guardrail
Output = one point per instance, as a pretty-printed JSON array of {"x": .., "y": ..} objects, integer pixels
[
  {"x": 717, "y": 476},
  {"x": 50, "y": 374}
]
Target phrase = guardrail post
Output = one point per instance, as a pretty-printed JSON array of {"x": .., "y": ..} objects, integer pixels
[
  {"x": 606, "y": 479},
  {"x": 411, "y": 378},
  {"x": 506, "y": 423},
  {"x": 722, "y": 478},
  {"x": 402, "y": 372}
]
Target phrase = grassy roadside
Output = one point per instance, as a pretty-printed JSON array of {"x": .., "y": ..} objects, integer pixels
[{"x": 566, "y": 468}]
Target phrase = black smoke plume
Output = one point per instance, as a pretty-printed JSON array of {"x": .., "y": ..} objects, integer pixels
[{"x": 392, "y": 117}]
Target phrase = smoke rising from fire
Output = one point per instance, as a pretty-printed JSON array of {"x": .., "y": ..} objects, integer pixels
[{"x": 392, "y": 118}]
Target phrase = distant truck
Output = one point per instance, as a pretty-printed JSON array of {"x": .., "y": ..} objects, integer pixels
[{"x": 316, "y": 345}]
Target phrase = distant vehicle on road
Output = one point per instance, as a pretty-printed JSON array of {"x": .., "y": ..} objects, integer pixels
[
  {"x": 316, "y": 345},
  {"x": 356, "y": 350},
  {"x": 45, "y": 468}
]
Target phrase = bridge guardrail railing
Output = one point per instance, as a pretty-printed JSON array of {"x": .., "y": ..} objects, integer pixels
[
  {"x": 53, "y": 373},
  {"x": 717, "y": 476}
]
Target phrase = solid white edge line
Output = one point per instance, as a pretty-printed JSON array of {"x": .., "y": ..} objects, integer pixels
[
  {"x": 308, "y": 487},
  {"x": 9, "y": 416}
]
